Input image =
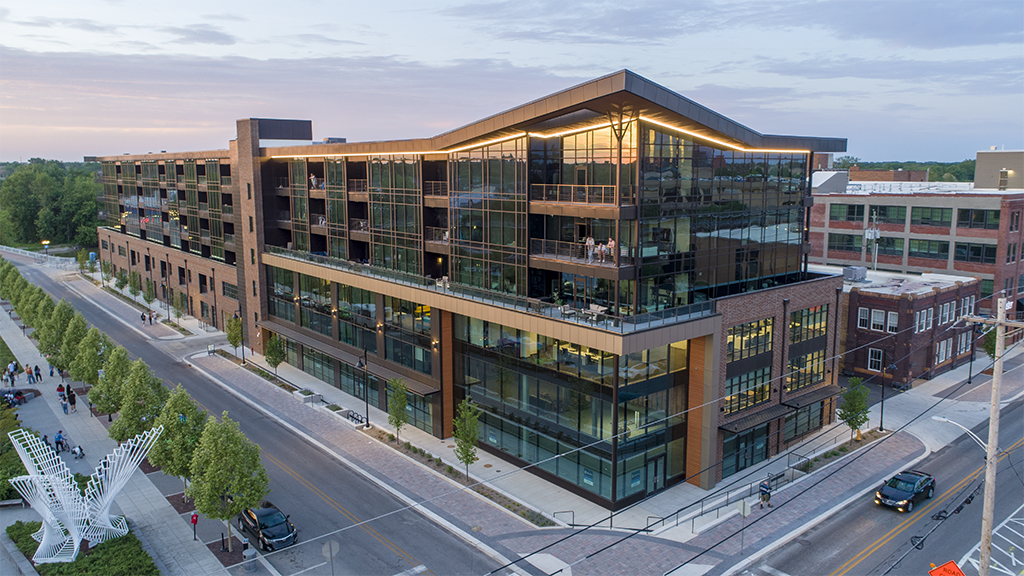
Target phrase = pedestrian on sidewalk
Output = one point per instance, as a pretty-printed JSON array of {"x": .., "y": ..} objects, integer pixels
[
  {"x": 39, "y": 374},
  {"x": 143, "y": 316},
  {"x": 151, "y": 314},
  {"x": 51, "y": 369},
  {"x": 46, "y": 440},
  {"x": 60, "y": 391},
  {"x": 31, "y": 377},
  {"x": 766, "y": 493},
  {"x": 72, "y": 399},
  {"x": 64, "y": 405}
]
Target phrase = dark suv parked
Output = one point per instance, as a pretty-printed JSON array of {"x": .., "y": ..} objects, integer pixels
[{"x": 269, "y": 525}]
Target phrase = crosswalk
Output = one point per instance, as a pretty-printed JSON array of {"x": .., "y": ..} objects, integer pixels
[{"x": 1007, "y": 548}]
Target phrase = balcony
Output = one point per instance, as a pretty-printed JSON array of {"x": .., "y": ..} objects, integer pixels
[
  {"x": 620, "y": 324},
  {"x": 227, "y": 210},
  {"x": 229, "y": 238},
  {"x": 439, "y": 235},
  {"x": 284, "y": 216},
  {"x": 358, "y": 186},
  {"x": 577, "y": 252},
  {"x": 573, "y": 194},
  {"x": 358, "y": 225},
  {"x": 435, "y": 188},
  {"x": 318, "y": 220}
]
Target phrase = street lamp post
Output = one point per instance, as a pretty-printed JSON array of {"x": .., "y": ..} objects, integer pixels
[
  {"x": 366, "y": 385},
  {"x": 46, "y": 247},
  {"x": 243, "y": 338},
  {"x": 972, "y": 435}
]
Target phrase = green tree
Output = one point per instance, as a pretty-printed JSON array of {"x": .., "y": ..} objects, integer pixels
[
  {"x": 106, "y": 271},
  {"x": 149, "y": 295},
  {"x": 234, "y": 329},
  {"x": 467, "y": 431},
  {"x": 134, "y": 284},
  {"x": 988, "y": 343},
  {"x": 73, "y": 336},
  {"x": 227, "y": 473},
  {"x": 397, "y": 402},
  {"x": 845, "y": 162},
  {"x": 43, "y": 313},
  {"x": 140, "y": 405},
  {"x": 91, "y": 357},
  {"x": 854, "y": 411},
  {"x": 83, "y": 260},
  {"x": 274, "y": 352},
  {"x": 107, "y": 395},
  {"x": 121, "y": 280},
  {"x": 183, "y": 424},
  {"x": 52, "y": 338}
]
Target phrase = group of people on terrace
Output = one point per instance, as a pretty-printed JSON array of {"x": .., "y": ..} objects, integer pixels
[{"x": 602, "y": 251}]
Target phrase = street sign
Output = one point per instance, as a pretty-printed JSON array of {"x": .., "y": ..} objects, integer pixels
[
  {"x": 1009, "y": 304},
  {"x": 744, "y": 507},
  {"x": 948, "y": 569}
]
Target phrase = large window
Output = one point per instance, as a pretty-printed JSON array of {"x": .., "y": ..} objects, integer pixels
[
  {"x": 315, "y": 304},
  {"x": 890, "y": 246},
  {"x": 804, "y": 420},
  {"x": 931, "y": 216},
  {"x": 875, "y": 359},
  {"x": 970, "y": 252},
  {"x": 318, "y": 364},
  {"x": 229, "y": 290},
  {"x": 805, "y": 370},
  {"x": 929, "y": 249},
  {"x": 749, "y": 339},
  {"x": 889, "y": 214},
  {"x": 878, "y": 320},
  {"x": 745, "y": 449},
  {"x": 280, "y": 297},
  {"x": 747, "y": 390},
  {"x": 846, "y": 212},
  {"x": 968, "y": 218},
  {"x": 845, "y": 242},
  {"x": 808, "y": 324}
]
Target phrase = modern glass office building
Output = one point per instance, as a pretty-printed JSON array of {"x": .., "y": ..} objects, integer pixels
[{"x": 614, "y": 273}]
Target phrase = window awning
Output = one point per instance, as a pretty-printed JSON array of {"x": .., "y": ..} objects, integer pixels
[
  {"x": 816, "y": 395},
  {"x": 771, "y": 413},
  {"x": 414, "y": 386}
]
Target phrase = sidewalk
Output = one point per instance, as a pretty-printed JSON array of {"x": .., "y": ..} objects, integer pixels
[
  {"x": 152, "y": 519},
  {"x": 804, "y": 502}
]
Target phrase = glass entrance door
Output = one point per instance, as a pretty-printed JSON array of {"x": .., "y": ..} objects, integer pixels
[{"x": 655, "y": 474}]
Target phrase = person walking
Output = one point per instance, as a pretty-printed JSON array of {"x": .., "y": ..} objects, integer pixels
[
  {"x": 143, "y": 316},
  {"x": 39, "y": 374},
  {"x": 51, "y": 370},
  {"x": 72, "y": 399},
  {"x": 766, "y": 493},
  {"x": 64, "y": 404}
]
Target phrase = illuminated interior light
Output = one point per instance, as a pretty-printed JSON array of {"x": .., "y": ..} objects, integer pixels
[
  {"x": 480, "y": 144},
  {"x": 726, "y": 144},
  {"x": 567, "y": 132}
]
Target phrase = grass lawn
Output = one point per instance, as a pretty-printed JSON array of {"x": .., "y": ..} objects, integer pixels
[{"x": 5, "y": 353}]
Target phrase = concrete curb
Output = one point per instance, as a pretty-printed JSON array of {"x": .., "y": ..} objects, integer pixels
[
  {"x": 17, "y": 559},
  {"x": 779, "y": 543},
  {"x": 494, "y": 554}
]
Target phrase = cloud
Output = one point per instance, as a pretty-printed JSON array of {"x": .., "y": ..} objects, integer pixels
[
  {"x": 200, "y": 34},
  {"x": 304, "y": 39},
  {"x": 82, "y": 24}
]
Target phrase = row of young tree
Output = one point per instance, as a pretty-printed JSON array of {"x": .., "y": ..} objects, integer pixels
[{"x": 219, "y": 467}]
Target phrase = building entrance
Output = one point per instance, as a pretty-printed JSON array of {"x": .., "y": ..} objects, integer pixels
[{"x": 655, "y": 474}]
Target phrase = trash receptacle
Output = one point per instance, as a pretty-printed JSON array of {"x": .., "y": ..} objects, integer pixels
[{"x": 249, "y": 559}]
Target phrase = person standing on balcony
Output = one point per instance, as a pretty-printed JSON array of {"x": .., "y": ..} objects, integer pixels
[
  {"x": 312, "y": 182},
  {"x": 611, "y": 250},
  {"x": 590, "y": 249}
]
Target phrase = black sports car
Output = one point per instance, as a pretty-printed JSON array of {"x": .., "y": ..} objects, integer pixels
[
  {"x": 269, "y": 525},
  {"x": 903, "y": 490}
]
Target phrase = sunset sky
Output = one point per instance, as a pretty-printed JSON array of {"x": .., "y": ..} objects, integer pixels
[{"x": 902, "y": 80}]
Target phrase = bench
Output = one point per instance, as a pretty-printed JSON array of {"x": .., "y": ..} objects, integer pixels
[{"x": 12, "y": 502}]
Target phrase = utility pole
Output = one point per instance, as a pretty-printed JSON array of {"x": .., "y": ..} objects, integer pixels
[{"x": 1000, "y": 323}]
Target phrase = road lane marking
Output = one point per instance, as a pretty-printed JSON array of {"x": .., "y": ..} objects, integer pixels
[
  {"x": 772, "y": 571},
  {"x": 412, "y": 571},
  {"x": 915, "y": 517},
  {"x": 310, "y": 568}
]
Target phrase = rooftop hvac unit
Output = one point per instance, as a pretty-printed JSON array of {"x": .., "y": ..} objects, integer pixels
[{"x": 855, "y": 273}]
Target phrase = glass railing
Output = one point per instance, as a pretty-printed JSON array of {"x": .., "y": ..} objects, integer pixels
[
  {"x": 569, "y": 193},
  {"x": 594, "y": 315},
  {"x": 358, "y": 225},
  {"x": 435, "y": 188},
  {"x": 204, "y": 234},
  {"x": 284, "y": 216},
  {"x": 227, "y": 209},
  {"x": 204, "y": 207},
  {"x": 229, "y": 238},
  {"x": 577, "y": 252},
  {"x": 318, "y": 219},
  {"x": 358, "y": 186},
  {"x": 225, "y": 180}
]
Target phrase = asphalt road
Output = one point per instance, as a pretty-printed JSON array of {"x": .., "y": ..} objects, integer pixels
[
  {"x": 321, "y": 494},
  {"x": 867, "y": 539}
]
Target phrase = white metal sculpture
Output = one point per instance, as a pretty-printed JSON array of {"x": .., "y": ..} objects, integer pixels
[{"x": 68, "y": 515}]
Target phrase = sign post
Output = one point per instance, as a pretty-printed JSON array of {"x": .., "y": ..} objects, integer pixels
[{"x": 330, "y": 548}]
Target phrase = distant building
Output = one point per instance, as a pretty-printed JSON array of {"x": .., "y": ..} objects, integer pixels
[
  {"x": 905, "y": 323},
  {"x": 933, "y": 227},
  {"x": 858, "y": 175}
]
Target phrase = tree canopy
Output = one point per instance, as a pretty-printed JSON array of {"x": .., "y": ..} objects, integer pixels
[
  {"x": 183, "y": 424},
  {"x": 397, "y": 403},
  {"x": 141, "y": 403},
  {"x": 467, "y": 431},
  {"x": 106, "y": 396},
  {"x": 49, "y": 200}
]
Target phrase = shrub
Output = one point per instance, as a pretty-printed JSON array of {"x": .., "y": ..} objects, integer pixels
[
  {"x": 391, "y": 437},
  {"x": 437, "y": 461},
  {"x": 408, "y": 446},
  {"x": 122, "y": 555},
  {"x": 843, "y": 448},
  {"x": 449, "y": 469},
  {"x": 306, "y": 392},
  {"x": 333, "y": 407}
]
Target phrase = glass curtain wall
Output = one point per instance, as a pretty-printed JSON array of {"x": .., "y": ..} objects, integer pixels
[
  {"x": 488, "y": 215},
  {"x": 396, "y": 213},
  {"x": 337, "y": 223}
]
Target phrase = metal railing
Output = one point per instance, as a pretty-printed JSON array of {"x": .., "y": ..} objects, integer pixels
[
  {"x": 577, "y": 251},
  {"x": 45, "y": 259},
  {"x": 284, "y": 216},
  {"x": 435, "y": 188},
  {"x": 602, "y": 321},
  {"x": 358, "y": 186},
  {"x": 318, "y": 220},
  {"x": 358, "y": 225},
  {"x": 576, "y": 194},
  {"x": 432, "y": 234}
]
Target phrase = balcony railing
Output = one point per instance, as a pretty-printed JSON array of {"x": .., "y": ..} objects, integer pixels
[
  {"x": 590, "y": 316},
  {"x": 318, "y": 220},
  {"x": 358, "y": 186},
  {"x": 435, "y": 188},
  {"x": 204, "y": 234},
  {"x": 577, "y": 252},
  {"x": 573, "y": 194},
  {"x": 229, "y": 238},
  {"x": 431, "y": 234},
  {"x": 284, "y": 216},
  {"x": 358, "y": 225},
  {"x": 225, "y": 180},
  {"x": 227, "y": 209}
]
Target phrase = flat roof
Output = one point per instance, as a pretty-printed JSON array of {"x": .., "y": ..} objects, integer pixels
[{"x": 895, "y": 283}]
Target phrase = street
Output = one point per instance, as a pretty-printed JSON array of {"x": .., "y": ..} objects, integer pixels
[
  {"x": 320, "y": 493},
  {"x": 867, "y": 539}
]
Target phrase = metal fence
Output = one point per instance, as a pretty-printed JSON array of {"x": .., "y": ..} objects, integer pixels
[{"x": 57, "y": 262}]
